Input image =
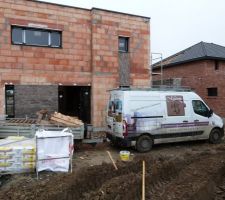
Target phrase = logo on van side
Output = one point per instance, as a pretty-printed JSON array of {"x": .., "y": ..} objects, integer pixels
[{"x": 175, "y": 105}]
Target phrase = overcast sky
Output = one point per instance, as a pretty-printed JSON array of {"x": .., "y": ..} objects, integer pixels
[{"x": 175, "y": 24}]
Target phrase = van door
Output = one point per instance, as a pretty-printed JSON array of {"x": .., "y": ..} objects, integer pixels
[
  {"x": 200, "y": 118},
  {"x": 176, "y": 125}
]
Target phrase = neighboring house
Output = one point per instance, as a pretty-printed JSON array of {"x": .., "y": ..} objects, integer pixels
[
  {"x": 65, "y": 59},
  {"x": 200, "y": 67}
]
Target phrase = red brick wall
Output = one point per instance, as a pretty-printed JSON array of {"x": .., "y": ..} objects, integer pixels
[
  {"x": 89, "y": 54},
  {"x": 201, "y": 75}
]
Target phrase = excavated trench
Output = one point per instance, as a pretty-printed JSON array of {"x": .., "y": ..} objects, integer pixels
[{"x": 199, "y": 177}]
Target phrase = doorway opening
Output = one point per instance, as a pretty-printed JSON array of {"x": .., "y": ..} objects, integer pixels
[{"x": 75, "y": 101}]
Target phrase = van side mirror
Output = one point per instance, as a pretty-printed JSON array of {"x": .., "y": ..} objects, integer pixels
[{"x": 210, "y": 113}]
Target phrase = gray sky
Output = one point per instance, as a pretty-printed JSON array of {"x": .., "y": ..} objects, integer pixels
[{"x": 175, "y": 24}]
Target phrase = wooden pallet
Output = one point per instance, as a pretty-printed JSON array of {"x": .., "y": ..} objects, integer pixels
[{"x": 21, "y": 121}]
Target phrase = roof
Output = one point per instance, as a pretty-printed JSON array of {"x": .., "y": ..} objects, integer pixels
[
  {"x": 199, "y": 51},
  {"x": 161, "y": 88},
  {"x": 100, "y": 9}
]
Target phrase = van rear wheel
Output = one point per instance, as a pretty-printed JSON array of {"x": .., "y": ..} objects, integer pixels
[
  {"x": 144, "y": 143},
  {"x": 215, "y": 136}
]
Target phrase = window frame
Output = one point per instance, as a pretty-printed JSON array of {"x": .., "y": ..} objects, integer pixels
[
  {"x": 126, "y": 44},
  {"x": 49, "y": 31}
]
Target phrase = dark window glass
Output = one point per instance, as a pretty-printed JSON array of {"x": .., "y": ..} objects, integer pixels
[
  {"x": 55, "y": 39},
  {"x": 36, "y": 37},
  {"x": 212, "y": 92},
  {"x": 17, "y": 35},
  {"x": 118, "y": 105},
  {"x": 10, "y": 110},
  {"x": 9, "y": 100},
  {"x": 216, "y": 65},
  {"x": 200, "y": 108},
  {"x": 123, "y": 44}
]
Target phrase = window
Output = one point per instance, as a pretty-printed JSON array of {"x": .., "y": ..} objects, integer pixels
[
  {"x": 200, "y": 108},
  {"x": 212, "y": 92},
  {"x": 36, "y": 37},
  {"x": 56, "y": 39},
  {"x": 216, "y": 65},
  {"x": 17, "y": 35},
  {"x": 9, "y": 100},
  {"x": 123, "y": 44}
]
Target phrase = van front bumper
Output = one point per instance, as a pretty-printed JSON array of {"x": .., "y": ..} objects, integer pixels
[{"x": 125, "y": 142}]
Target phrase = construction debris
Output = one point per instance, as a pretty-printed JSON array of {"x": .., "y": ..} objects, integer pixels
[
  {"x": 42, "y": 115},
  {"x": 65, "y": 120},
  {"x": 44, "y": 118}
]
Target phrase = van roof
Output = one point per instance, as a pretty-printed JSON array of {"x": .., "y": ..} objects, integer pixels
[{"x": 160, "y": 88}]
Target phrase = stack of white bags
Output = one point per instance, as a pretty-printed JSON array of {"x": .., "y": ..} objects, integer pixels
[{"x": 49, "y": 150}]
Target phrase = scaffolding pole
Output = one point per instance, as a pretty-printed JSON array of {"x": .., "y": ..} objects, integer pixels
[{"x": 160, "y": 57}]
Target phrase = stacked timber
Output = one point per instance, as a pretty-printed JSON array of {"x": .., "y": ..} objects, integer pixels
[
  {"x": 42, "y": 115},
  {"x": 65, "y": 120}
]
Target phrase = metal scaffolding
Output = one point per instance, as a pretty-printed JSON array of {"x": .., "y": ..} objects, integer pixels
[{"x": 159, "y": 57}]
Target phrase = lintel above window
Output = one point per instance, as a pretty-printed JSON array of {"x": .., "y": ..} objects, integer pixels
[{"x": 36, "y": 37}]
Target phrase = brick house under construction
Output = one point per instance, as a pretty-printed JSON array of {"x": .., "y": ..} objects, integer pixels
[
  {"x": 200, "y": 67},
  {"x": 65, "y": 58}
]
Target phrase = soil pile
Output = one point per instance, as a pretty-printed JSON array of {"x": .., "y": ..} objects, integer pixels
[{"x": 198, "y": 176}]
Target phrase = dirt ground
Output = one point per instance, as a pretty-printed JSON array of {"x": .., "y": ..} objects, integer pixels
[{"x": 192, "y": 170}]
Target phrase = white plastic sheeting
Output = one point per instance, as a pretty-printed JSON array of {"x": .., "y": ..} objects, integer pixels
[{"x": 54, "y": 150}]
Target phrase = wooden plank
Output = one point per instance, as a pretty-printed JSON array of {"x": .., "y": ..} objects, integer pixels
[
  {"x": 63, "y": 121},
  {"x": 143, "y": 180},
  {"x": 69, "y": 122},
  {"x": 67, "y": 118}
]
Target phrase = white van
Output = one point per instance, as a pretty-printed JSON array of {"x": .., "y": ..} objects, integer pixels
[{"x": 143, "y": 117}]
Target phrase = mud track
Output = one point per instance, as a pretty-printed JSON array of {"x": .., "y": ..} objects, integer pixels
[{"x": 198, "y": 176}]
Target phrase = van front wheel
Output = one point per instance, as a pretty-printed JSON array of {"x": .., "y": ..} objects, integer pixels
[
  {"x": 215, "y": 136},
  {"x": 144, "y": 143}
]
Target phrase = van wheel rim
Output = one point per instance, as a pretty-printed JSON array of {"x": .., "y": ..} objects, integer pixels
[
  {"x": 215, "y": 136},
  {"x": 145, "y": 144}
]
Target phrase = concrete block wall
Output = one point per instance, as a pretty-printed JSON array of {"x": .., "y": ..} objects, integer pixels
[
  {"x": 33, "y": 98},
  {"x": 89, "y": 53},
  {"x": 200, "y": 75}
]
